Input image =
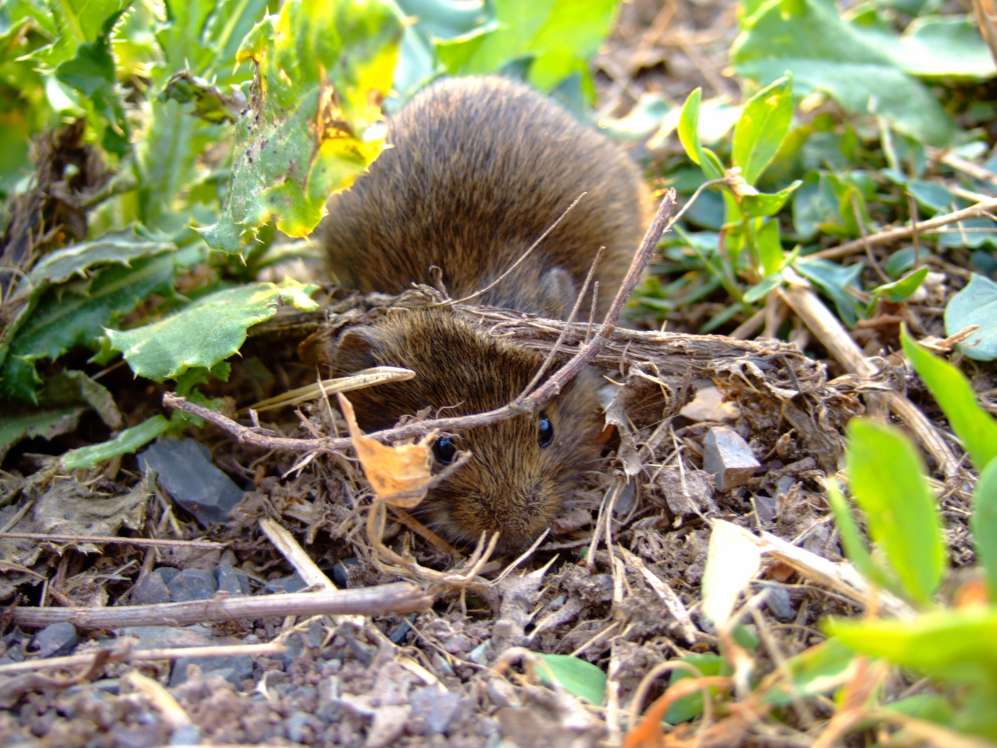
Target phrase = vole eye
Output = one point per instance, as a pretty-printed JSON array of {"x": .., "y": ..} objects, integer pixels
[
  {"x": 546, "y": 429},
  {"x": 444, "y": 450}
]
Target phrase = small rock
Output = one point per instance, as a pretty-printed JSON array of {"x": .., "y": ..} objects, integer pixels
[
  {"x": 55, "y": 640},
  {"x": 688, "y": 492},
  {"x": 232, "y": 581},
  {"x": 435, "y": 706},
  {"x": 186, "y": 472},
  {"x": 137, "y": 736},
  {"x": 292, "y": 583},
  {"x": 344, "y": 573},
  {"x": 233, "y": 669},
  {"x": 192, "y": 584},
  {"x": 767, "y": 509},
  {"x": 152, "y": 589},
  {"x": 778, "y": 601},
  {"x": 400, "y": 631},
  {"x": 728, "y": 457}
]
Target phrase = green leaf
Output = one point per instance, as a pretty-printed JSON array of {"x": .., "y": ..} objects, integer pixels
[
  {"x": 936, "y": 47},
  {"x": 826, "y": 203},
  {"x": 814, "y": 671},
  {"x": 762, "y": 127},
  {"x": 76, "y": 22},
  {"x": 574, "y": 675},
  {"x": 761, "y": 289},
  {"x": 852, "y": 542},
  {"x": 971, "y": 423},
  {"x": 976, "y": 304},
  {"x": 903, "y": 288},
  {"x": 688, "y": 132},
  {"x": 834, "y": 281},
  {"x": 126, "y": 442},
  {"x": 824, "y": 53},
  {"x": 984, "y": 525},
  {"x": 691, "y": 706},
  {"x": 763, "y": 204},
  {"x": 46, "y": 424},
  {"x": 91, "y": 72},
  {"x": 950, "y": 645},
  {"x": 770, "y": 254},
  {"x": 559, "y": 37},
  {"x": 301, "y": 143},
  {"x": 206, "y": 332},
  {"x": 77, "y": 259},
  {"x": 886, "y": 478}
]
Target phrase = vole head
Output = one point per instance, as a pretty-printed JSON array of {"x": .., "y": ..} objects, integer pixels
[{"x": 521, "y": 469}]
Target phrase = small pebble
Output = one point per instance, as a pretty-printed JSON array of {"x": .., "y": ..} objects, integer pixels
[
  {"x": 192, "y": 584},
  {"x": 55, "y": 640},
  {"x": 728, "y": 457}
]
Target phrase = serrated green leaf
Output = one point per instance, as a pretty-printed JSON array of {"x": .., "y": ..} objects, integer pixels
[
  {"x": 902, "y": 288},
  {"x": 984, "y": 525},
  {"x": 976, "y": 304},
  {"x": 971, "y": 423},
  {"x": 886, "y": 478},
  {"x": 761, "y": 128},
  {"x": 76, "y": 22},
  {"x": 91, "y": 72},
  {"x": 559, "y": 37},
  {"x": 120, "y": 248},
  {"x": 124, "y": 443},
  {"x": 827, "y": 54},
  {"x": 302, "y": 142},
  {"x": 76, "y": 314},
  {"x": 574, "y": 675},
  {"x": 206, "y": 332},
  {"x": 951, "y": 645}
]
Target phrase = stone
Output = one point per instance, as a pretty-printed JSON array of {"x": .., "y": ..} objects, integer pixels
[
  {"x": 151, "y": 589},
  {"x": 435, "y": 706},
  {"x": 728, "y": 458},
  {"x": 185, "y": 471},
  {"x": 232, "y": 581},
  {"x": 192, "y": 584},
  {"x": 55, "y": 640}
]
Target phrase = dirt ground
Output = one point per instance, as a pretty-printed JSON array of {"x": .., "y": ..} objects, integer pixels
[{"x": 617, "y": 583}]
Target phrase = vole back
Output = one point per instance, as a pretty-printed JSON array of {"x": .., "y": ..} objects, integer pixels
[{"x": 479, "y": 168}]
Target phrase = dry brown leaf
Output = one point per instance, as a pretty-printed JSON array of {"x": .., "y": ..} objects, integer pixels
[{"x": 399, "y": 474}]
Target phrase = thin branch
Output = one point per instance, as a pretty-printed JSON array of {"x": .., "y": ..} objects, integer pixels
[
  {"x": 142, "y": 655},
  {"x": 111, "y": 540},
  {"x": 906, "y": 232},
  {"x": 380, "y": 600}
]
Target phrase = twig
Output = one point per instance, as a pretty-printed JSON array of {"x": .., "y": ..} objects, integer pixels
[
  {"x": 127, "y": 654},
  {"x": 826, "y": 327},
  {"x": 108, "y": 540},
  {"x": 387, "y": 598},
  {"x": 906, "y": 232}
]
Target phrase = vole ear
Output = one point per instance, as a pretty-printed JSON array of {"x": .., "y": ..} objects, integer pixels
[
  {"x": 356, "y": 349},
  {"x": 557, "y": 293}
]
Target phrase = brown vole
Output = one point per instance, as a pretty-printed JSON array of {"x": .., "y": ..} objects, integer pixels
[{"x": 479, "y": 168}]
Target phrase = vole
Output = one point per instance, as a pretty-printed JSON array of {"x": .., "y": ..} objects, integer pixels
[{"x": 477, "y": 169}]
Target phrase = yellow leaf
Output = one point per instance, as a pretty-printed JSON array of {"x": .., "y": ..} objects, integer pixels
[{"x": 398, "y": 474}]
